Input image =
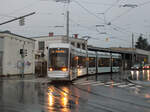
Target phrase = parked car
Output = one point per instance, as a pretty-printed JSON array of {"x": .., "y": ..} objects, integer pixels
[
  {"x": 146, "y": 66},
  {"x": 136, "y": 67}
]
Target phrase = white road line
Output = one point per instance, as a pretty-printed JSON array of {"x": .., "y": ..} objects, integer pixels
[
  {"x": 138, "y": 86},
  {"x": 109, "y": 82},
  {"x": 131, "y": 84},
  {"x": 115, "y": 84},
  {"x": 107, "y": 85},
  {"x": 88, "y": 83},
  {"x": 122, "y": 86},
  {"x": 132, "y": 87},
  {"x": 98, "y": 84}
]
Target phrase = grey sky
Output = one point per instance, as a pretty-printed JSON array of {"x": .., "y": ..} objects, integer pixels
[{"x": 84, "y": 16}]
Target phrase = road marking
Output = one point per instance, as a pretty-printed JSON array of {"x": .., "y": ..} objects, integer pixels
[
  {"x": 88, "y": 83},
  {"x": 130, "y": 84},
  {"x": 109, "y": 82},
  {"x": 115, "y": 84},
  {"x": 138, "y": 86},
  {"x": 98, "y": 84},
  {"x": 132, "y": 87},
  {"x": 122, "y": 86}
]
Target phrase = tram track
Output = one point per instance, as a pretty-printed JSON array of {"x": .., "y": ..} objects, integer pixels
[{"x": 94, "y": 105}]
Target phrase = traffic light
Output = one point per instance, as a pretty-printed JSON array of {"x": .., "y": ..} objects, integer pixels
[
  {"x": 21, "y": 51},
  {"x": 21, "y": 22}
]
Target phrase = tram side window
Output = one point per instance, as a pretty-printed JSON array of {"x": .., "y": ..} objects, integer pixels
[
  {"x": 103, "y": 62},
  {"x": 116, "y": 62},
  {"x": 82, "y": 61},
  {"x": 73, "y": 60},
  {"x": 92, "y": 62}
]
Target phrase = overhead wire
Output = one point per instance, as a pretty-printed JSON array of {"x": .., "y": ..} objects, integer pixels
[
  {"x": 88, "y": 11},
  {"x": 114, "y": 4},
  {"x": 91, "y": 13},
  {"x": 20, "y": 9},
  {"x": 127, "y": 11}
]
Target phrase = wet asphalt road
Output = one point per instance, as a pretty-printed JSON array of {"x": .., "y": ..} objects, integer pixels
[{"x": 106, "y": 94}]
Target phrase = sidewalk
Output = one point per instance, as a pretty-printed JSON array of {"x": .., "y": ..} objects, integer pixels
[
  {"x": 27, "y": 78},
  {"x": 101, "y": 77},
  {"x": 138, "y": 79}
]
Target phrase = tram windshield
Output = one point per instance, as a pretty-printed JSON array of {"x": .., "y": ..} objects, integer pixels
[{"x": 58, "y": 59}]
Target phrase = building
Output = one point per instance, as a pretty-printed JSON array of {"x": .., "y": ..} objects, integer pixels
[
  {"x": 11, "y": 61},
  {"x": 42, "y": 43},
  {"x": 130, "y": 56}
]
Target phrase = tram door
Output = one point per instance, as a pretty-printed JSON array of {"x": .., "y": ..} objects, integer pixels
[
  {"x": 73, "y": 66},
  {"x": 1, "y": 61}
]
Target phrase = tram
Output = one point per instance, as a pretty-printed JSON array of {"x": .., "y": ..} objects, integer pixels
[{"x": 66, "y": 62}]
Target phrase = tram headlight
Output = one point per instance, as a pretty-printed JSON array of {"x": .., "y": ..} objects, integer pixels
[
  {"x": 50, "y": 69},
  {"x": 64, "y": 69}
]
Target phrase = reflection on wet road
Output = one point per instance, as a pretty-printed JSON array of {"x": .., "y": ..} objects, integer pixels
[
  {"x": 143, "y": 75},
  {"x": 80, "y": 96}
]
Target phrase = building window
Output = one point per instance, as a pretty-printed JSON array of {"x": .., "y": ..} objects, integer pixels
[
  {"x": 72, "y": 43},
  {"x": 83, "y": 46},
  {"x": 78, "y": 45},
  {"x": 41, "y": 45}
]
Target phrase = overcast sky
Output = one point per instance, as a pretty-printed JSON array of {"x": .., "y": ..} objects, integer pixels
[{"x": 86, "y": 18}]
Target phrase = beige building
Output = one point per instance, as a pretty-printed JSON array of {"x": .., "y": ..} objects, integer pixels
[
  {"x": 42, "y": 42},
  {"x": 10, "y": 57}
]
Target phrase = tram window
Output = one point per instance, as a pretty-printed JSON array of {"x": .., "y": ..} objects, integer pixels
[
  {"x": 116, "y": 62},
  {"x": 73, "y": 61},
  {"x": 58, "y": 58},
  {"x": 103, "y": 62},
  {"x": 82, "y": 61},
  {"x": 91, "y": 61}
]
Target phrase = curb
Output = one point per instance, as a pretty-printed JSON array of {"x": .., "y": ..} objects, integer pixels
[{"x": 136, "y": 83}]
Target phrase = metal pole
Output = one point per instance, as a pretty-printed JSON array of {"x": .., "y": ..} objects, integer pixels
[
  {"x": 22, "y": 73},
  {"x": 17, "y": 18},
  {"x": 67, "y": 26},
  {"x": 87, "y": 62},
  {"x": 132, "y": 49}
]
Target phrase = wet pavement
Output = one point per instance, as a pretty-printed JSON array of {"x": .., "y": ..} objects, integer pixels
[
  {"x": 106, "y": 93},
  {"x": 141, "y": 77}
]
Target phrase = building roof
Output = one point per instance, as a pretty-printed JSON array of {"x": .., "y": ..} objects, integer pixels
[
  {"x": 48, "y": 36},
  {"x": 120, "y": 50},
  {"x": 8, "y": 32}
]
